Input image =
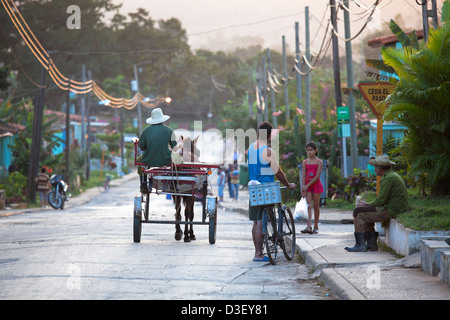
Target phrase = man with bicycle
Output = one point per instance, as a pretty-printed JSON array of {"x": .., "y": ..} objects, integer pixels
[{"x": 263, "y": 167}]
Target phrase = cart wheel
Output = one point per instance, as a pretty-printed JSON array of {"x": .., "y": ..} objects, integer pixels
[
  {"x": 211, "y": 210},
  {"x": 137, "y": 218}
]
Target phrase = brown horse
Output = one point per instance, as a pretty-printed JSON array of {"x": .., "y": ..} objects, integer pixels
[{"x": 190, "y": 153}]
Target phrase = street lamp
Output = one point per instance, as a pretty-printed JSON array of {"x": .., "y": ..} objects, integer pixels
[{"x": 152, "y": 102}]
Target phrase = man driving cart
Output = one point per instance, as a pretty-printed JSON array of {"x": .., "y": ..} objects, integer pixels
[{"x": 154, "y": 142}]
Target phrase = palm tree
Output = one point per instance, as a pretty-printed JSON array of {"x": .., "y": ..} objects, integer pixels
[{"x": 420, "y": 102}]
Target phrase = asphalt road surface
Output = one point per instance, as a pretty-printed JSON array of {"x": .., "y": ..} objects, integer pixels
[{"x": 87, "y": 252}]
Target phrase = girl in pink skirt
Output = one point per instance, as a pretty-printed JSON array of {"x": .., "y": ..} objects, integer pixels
[{"x": 312, "y": 188}]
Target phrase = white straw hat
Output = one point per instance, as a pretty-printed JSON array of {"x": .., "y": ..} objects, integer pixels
[
  {"x": 382, "y": 160},
  {"x": 157, "y": 117}
]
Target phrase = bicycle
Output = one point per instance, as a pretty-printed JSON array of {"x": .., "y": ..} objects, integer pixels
[
  {"x": 278, "y": 230},
  {"x": 103, "y": 186}
]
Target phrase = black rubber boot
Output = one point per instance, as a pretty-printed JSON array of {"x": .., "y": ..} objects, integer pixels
[
  {"x": 360, "y": 245},
  {"x": 372, "y": 238}
]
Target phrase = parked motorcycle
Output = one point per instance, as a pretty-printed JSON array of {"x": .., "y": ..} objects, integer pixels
[{"x": 58, "y": 195}]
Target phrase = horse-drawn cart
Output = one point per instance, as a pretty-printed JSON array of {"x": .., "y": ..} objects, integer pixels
[{"x": 182, "y": 181}]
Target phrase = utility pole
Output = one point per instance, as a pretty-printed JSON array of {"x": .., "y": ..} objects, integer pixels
[
  {"x": 264, "y": 89},
  {"x": 136, "y": 78},
  {"x": 88, "y": 129},
  {"x": 83, "y": 134},
  {"x": 426, "y": 14},
  {"x": 351, "y": 100},
  {"x": 307, "y": 80},
  {"x": 259, "y": 103},
  {"x": 36, "y": 139},
  {"x": 298, "y": 63},
  {"x": 67, "y": 128},
  {"x": 286, "y": 82},
  {"x": 337, "y": 79},
  {"x": 272, "y": 91}
]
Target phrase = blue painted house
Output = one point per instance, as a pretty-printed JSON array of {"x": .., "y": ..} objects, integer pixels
[{"x": 8, "y": 132}]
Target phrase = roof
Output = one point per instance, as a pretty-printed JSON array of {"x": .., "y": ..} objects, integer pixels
[
  {"x": 62, "y": 115},
  {"x": 388, "y": 40},
  {"x": 10, "y": 129}
]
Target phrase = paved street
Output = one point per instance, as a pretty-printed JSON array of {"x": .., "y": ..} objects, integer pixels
[{"x": 87, "y": 252}]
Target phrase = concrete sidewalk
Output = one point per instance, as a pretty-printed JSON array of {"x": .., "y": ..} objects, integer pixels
[{"x": 379, "y": 275}]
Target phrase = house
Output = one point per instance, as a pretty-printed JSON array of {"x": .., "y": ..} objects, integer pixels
[
  {"x": 391, "y": 130},
  {"x": 389, "y": 41},
  {"x": 75, "y": 128},
  {"x": 8, "y": 132}
]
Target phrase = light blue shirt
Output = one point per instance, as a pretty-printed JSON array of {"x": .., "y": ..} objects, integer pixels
[{"x": 258, "y": 168}]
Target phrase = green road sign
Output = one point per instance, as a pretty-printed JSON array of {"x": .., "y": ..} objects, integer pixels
[{"x": 343, "y": 113}]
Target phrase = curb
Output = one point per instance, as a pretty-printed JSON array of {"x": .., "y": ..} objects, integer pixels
[{"x": 339, "y": 285}]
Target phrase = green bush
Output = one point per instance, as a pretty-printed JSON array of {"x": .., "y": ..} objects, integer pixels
[{"x": 15, "y": 185}]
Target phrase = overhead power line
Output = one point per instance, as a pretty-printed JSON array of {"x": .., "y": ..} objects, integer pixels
[
  {"x": 63, "y": 82},
  {"x": 244, "y": 24}
]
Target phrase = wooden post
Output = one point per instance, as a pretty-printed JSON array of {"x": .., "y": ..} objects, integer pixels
[{"x": 379, "y": 144}]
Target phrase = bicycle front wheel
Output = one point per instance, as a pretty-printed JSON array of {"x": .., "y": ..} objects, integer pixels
[
  {"x": 270, "y": 235},
  {"x": 287, "y": 232},
  {"x": 101, "y": 186}
]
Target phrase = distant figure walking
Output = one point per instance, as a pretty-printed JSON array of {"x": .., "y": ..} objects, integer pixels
[{"x": 42, "y": 186}]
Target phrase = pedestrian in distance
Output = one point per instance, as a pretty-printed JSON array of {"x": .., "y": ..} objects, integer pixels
[
  {"x": 42, "y": 186},
  {"x": 391, "y": 200},
  {"x": 228, "y": 180},
  {"x": 234, "y": 178},
  {"x": 221, "y": 182},
  {"x": 312, "y": 188},
  {"x": 263, "y": 167}
]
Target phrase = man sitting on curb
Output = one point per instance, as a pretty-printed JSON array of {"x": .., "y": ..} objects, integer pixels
[{"x": 392, "y": 200}]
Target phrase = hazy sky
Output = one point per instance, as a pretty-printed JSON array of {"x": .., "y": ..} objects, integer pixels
[{"x": 221, "y": 24}]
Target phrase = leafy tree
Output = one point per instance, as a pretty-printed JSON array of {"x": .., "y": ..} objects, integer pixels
[
  {"x": 106, "y": 48},
  {"x": 420, "y": 102},
  {"x": 22, "y": 113}
]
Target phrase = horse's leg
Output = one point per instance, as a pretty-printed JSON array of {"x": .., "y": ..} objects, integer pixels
[
  {"x": 189, "y": 216},
  {"x": 190, "y": 205},
  {"x": 178, "y": 232},
  {"x": 187, "y": 237}
]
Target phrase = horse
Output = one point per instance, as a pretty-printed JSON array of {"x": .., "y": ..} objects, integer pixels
[{"x": 189, "y": 153}]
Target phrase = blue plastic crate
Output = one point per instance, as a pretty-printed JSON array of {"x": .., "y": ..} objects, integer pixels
[{"x": 264, "y": 194}]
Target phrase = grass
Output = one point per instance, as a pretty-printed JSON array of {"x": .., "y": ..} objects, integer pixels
[
  {"x": 94, "y": 180},
  {"x": 427, "y": 213}
]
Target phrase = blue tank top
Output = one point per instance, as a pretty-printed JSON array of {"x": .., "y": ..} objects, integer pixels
[{"x": 258, "y": 168}]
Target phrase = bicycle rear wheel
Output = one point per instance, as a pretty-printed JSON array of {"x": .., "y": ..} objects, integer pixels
[
  {"x": 270, "y": 235},
  {"x": 102, "y": 186},
  {"x": 287, "y": 232}
]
